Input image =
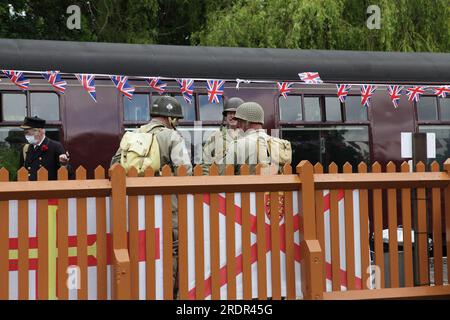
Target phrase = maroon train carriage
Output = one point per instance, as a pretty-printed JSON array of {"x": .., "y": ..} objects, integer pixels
[{"x": 320, "y": 128}]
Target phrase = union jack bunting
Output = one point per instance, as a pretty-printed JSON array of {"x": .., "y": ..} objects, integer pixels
[
  {"x": 88, "y": 83},
  {"x": 284, "y": 88},
  {"x": 17, "y": 78},
  {"x": 414, "y": 93},
  {"x": 442, "y": 92},
  {"x": 310, "y": 77},
  {"x": 215, "y": 90},
  {"x": 342, "y": 91},
  {"x": 367, "y": 91},
  {"x": 187, "y": 89},
  {"x": 157, "y": 85},
  {"x": 395, "y": 92},
  {"x": 54, "y": 78},
  {"x": 122, "y": 84}
]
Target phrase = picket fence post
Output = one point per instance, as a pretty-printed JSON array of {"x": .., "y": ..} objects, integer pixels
[{"x": 121, "y": 280}]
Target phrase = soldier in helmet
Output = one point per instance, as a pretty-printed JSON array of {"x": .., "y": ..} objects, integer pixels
[
  {"x": 216, "y": 144},
  {"x": 251, "y": 148},
  {"x": 165, "y": 112}
]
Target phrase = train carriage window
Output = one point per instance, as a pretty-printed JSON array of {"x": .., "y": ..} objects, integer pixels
[
  {"x": 14, "y": 106},
  {"x": 337, "y": 144},
  {"x": 312, "y": 108},
  {"x": 290, "y": 108},
  {"x": 354, "y": 111},
  {"x": 445, "y": 108},
  {"x": 210, "y": 111},
  {"x": 442, "y": 133},
  {"x": 427, "y": 109},
  {"x": 333, "y": 109},
  {"x": 45, "y": 105},
  {"x": 137, "y": 109},
  {"x": 53, "y": 133},
  {"x": 188, "y": 108}
]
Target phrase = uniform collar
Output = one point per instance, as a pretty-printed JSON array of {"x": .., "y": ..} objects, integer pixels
[
  {"x": 254, "y": 131},
  {"x": 40, "y": 143},
  {"x": 154, "y": 121}
]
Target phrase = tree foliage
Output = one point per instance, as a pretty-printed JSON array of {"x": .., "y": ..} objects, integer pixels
[{"x": 406, "y": 25}]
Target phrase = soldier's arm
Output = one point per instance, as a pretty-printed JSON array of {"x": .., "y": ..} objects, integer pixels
[
  {"x": 179, "y": 155},
  {"x": 207, "y": 155},
  {"x": 116, "y": 157},
  {"x": 230, "y": 157}
]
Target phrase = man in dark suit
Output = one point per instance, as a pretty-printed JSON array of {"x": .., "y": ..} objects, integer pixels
[{"x": 41, "y": 151}]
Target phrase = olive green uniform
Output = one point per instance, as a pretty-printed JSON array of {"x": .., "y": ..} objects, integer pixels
[
  {"x": 250, "y": 149},
  {"x": 216, "y": 145},
  {"x": 172, "y": 149},
  {"x": 173, "y": 152}
]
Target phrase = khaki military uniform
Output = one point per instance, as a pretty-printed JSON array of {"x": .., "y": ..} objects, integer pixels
[
  {"x": 173, "y": 152},
  {"x": 172, "y": 149},
  {"x": 250, "y": 149},
  {"x": 216, "y": 145}
]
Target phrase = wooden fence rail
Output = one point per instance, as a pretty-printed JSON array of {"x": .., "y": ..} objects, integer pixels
[{"x": 334, "y": 224}]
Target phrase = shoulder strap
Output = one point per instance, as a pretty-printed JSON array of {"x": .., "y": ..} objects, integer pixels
[
  {"x": 156, "y": 126},
  {"x": 224, "y": 138},
  {"x": 266, "y": 141}
]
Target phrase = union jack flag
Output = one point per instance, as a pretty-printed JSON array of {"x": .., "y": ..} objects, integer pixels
[
  {"x": 414, "y": 93},
  {"x": 54, "y": 78},
  {"x": 367, "y": 91},
  {"x": 187, "y": 89},
  {"x": 157, "y": 84},
  {"x": 310, "y": 77},
  {"x": 284, "y": 88},
  {"x": 395, "y": 92},
  {"x": 215, "y": 90},
  {"x": 88, "y": 83},
  {"x": 17, "y": 78},
  {"x": 342, "y": 91},
  {"x": 442, "y": 92},
  {"x": 121, "y": 83}
]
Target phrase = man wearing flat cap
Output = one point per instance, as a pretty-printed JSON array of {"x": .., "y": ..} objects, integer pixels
[{"x": 41, "y": 151}]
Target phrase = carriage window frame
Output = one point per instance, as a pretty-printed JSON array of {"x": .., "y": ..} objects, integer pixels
[
  {"x": 130, "y": 125},
  {"x": 30, "y": 93},
  {"x": 198, "y": 107},
  {"x": 28, "y": 108},
  {"x": 283, "y": 124},
  {"x": 323, "y": 121},
  {"x": 134, "y": 123},
  {"x": 53, "y": 128},
  {"x": 439, "y": 119}
]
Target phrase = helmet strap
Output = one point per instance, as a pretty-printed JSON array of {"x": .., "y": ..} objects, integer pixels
[{"x": 173, "y": 122}]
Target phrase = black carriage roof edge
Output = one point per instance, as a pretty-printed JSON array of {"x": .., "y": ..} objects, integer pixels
[{"x": 223, "y": 62}]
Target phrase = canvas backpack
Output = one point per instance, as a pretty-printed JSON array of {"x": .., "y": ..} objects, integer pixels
[
  {"x": 140, "y": 149},
  {"x": 279, "y": 150}
]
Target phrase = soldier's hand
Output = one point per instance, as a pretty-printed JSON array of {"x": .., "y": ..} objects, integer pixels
[{"x": 64, "y": 158}]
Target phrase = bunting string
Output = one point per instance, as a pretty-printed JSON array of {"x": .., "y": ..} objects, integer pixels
[{"x": 215, "y": 87}]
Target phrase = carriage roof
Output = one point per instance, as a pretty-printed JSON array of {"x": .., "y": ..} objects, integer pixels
[{"x": 222, "y": 62}]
